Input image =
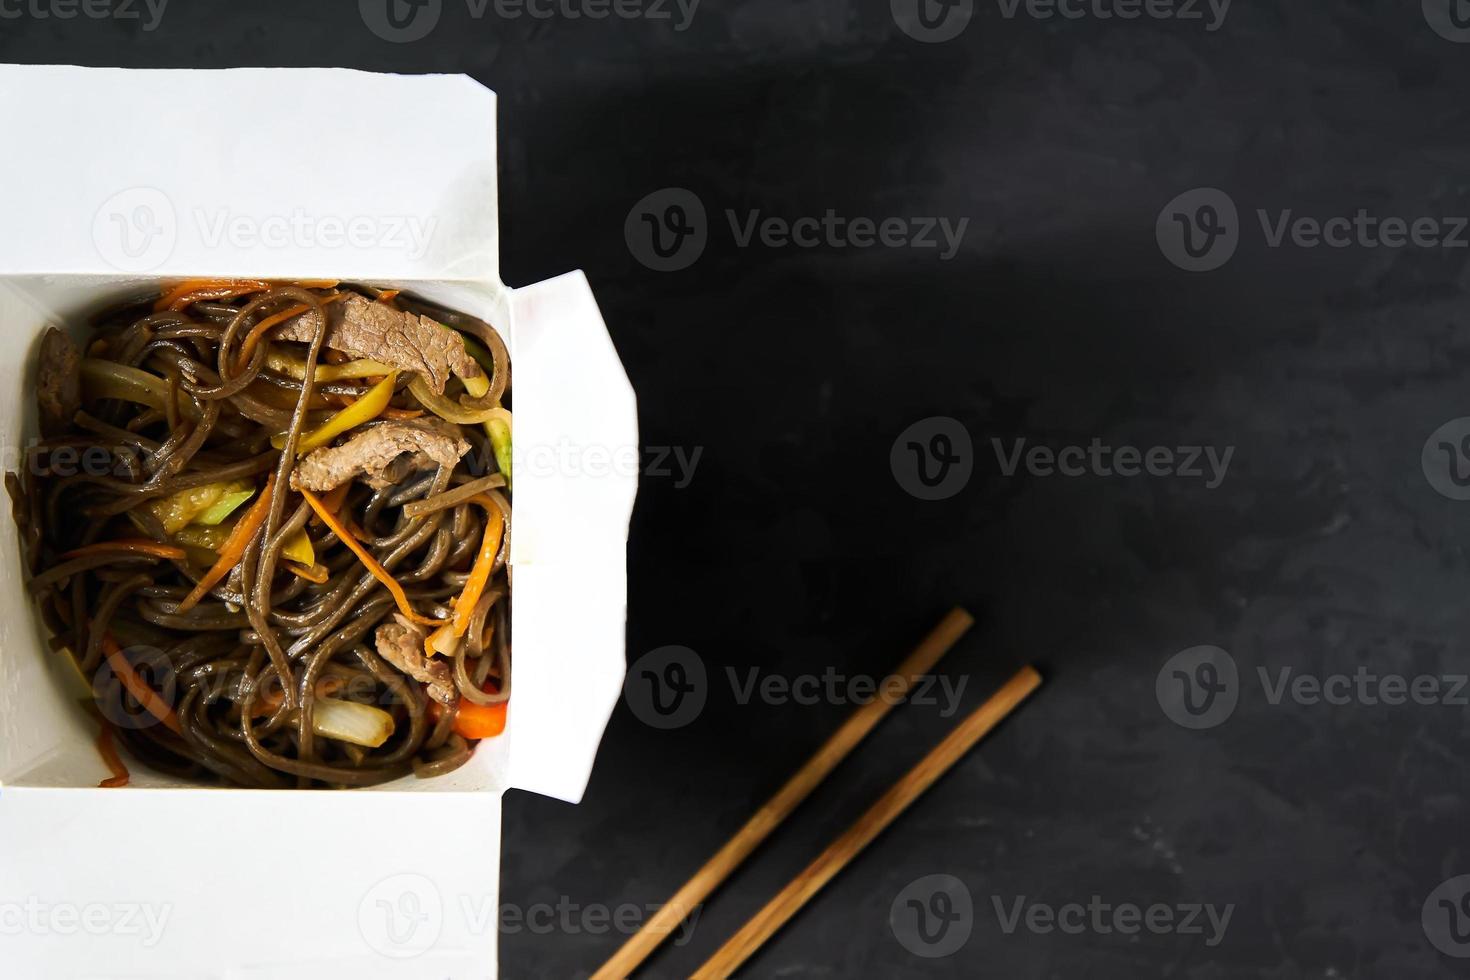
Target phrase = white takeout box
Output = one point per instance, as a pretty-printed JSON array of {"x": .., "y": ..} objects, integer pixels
[{"x": 113, "y": 178}]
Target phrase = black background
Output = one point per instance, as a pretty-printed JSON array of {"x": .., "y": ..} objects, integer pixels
[{"x": 793, "y": 371}]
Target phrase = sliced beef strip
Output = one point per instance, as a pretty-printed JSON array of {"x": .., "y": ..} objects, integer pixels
[
  {"x": 403, "y": 647},
  {"x": 361, "y": 327},
  {"x": 373, "y": 454},
  {"x": 59, "y": 382}
]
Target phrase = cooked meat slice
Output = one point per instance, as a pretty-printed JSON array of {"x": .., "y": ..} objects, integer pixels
[
  {"x": 59, "y": 384},
  {"x": 363, "y": 328},
  {"x": 373, "y": 452},
  {"x": 403, "y": 647}
]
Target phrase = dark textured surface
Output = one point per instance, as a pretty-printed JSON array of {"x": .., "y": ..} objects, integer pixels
[{"x": 793, "y": 370}]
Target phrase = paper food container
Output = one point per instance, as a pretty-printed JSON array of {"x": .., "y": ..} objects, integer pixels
[{"x": 115, "y": 178}]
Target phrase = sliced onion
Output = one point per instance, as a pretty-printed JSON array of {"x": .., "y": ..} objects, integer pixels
[
  {"x": 447, "y": 408},
  {"x": 348, "y": 721},
  {"x": 109, "y": 379}
]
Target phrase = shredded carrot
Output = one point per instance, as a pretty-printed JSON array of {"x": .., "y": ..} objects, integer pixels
[
  {"x": 194, "y": 290},
  {"x": 140, "y": 546},
  {"x": 334, "y": 499},
  {"x": 464, "y": 605},
  {"x": 387, "y": 296},
  {"x": 108, "y": 751},
  {"x": 252, "y": 339},
  {"x": 318, "y": 283},
  {"x": 363, "y": 555},
  {"x": 234, "y": 547},
  {"x": 402, "y": 414},
  {"x": 138, "y": 687},
  {"x": 476, "y": 721},
  {"x": 312, "y": 573}
]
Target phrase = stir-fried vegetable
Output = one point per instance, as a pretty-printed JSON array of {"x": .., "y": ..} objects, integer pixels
[
  {"x": 475, "y": 721},
  {"x": 363, "y": 555},
  {"x": 364, "y": 409},
  {"x": 447, "y": 408},
  {"x": 298, "y": 548},
  {"x": 445, "y": 639},
  {"x": 120, "y": 775},
  {"x": 499, "y": 431},
  {"x": 284, "y": 363},
  {"x": 234, "y": 547},
  {"x": 349, "y": 721},
  {"x": 194, "y": 290},
  {"x": 252, "y": 339},
  {"x": 198, "y": 504},
  {"x": 109, "y": 379},
  {"x": 224, "y": 506}
]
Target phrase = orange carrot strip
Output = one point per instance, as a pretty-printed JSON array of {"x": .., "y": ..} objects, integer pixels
[
  {"x": 138, "y": 687},
  {"x": 480, "y": 720},
  {"x": 252, "y": 339},
  {"x": 193, "y": 290},
  {"x": 363, "y": 555},
  {"x": 108, "y": 751},
  {"x": 234, "y": 547},
  {"x": 474, "y": 586},
  {"x": 334, "y": 499},
  {"x": 139, "y": 546}
]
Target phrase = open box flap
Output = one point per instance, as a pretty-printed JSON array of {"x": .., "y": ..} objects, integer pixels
[
  {"x": 307, "y": 175},
  {"x": 574, "y": 497}
]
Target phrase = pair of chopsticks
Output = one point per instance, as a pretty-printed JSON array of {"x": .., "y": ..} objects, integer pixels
[{"x": 779, "y": 910}]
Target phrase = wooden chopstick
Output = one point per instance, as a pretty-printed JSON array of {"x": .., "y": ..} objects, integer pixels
[
  {"x": 779, "y": 910},
  {"x": 765, "y": 820}
]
